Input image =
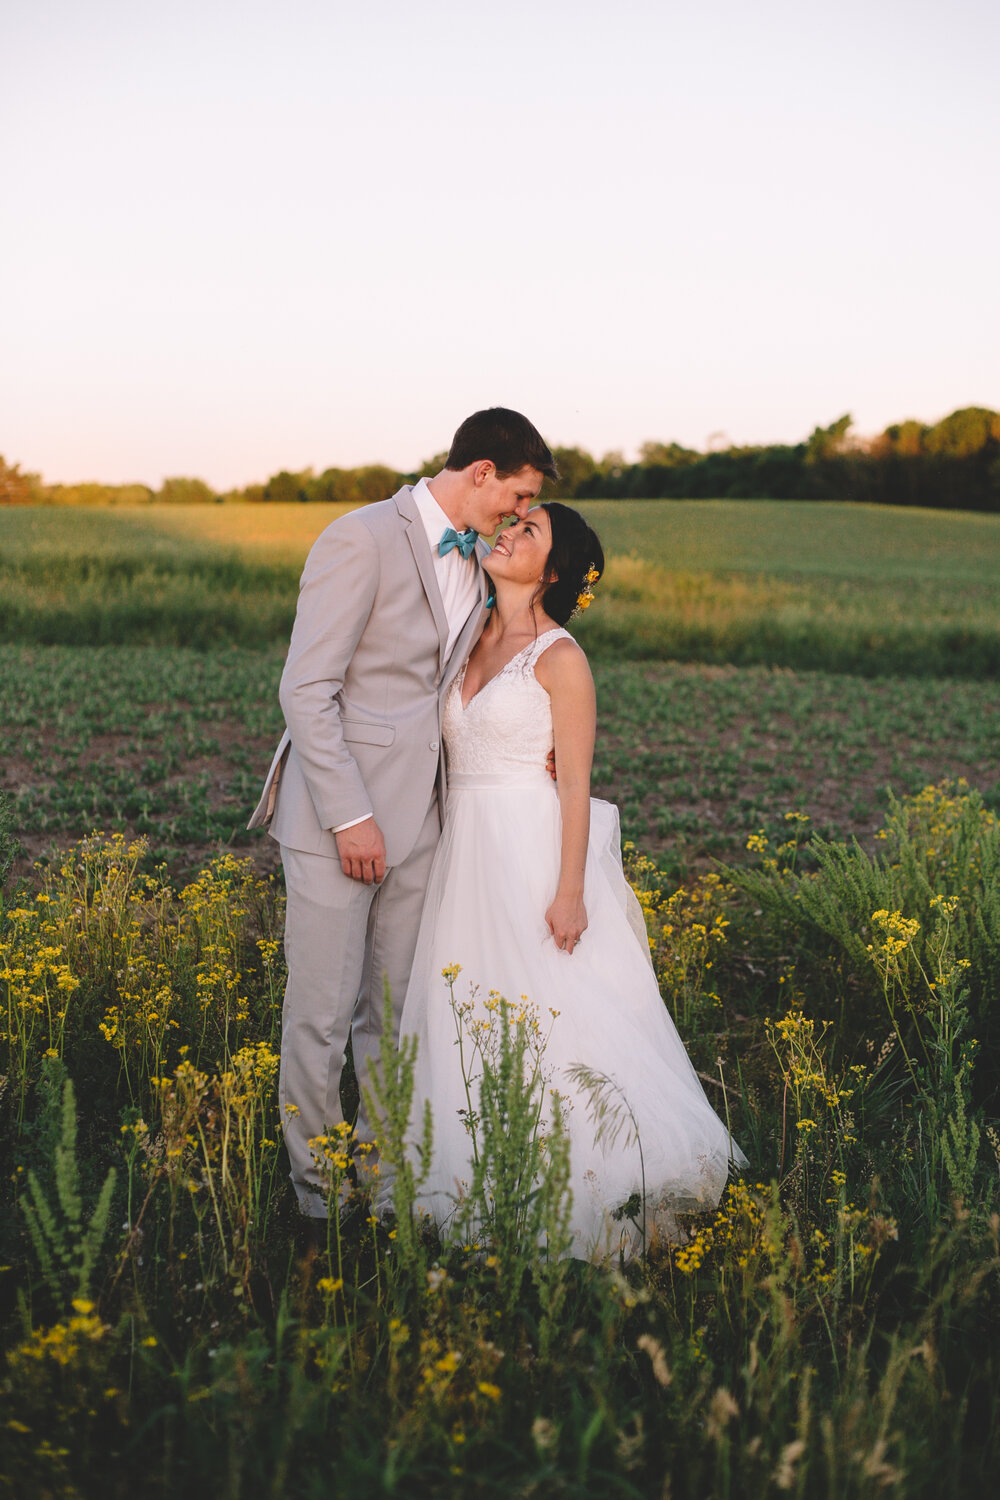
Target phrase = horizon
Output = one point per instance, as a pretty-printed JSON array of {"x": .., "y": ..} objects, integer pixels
[{"x": 856, "y": 441}]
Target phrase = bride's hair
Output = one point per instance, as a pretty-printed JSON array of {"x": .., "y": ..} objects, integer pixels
[{"x": 575, "y": 552}]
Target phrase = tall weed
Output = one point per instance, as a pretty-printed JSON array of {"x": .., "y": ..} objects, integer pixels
[{"x": 829, "y": 1331}]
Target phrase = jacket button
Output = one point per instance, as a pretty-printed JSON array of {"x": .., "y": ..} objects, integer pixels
[{"x": 434, "y": 745}]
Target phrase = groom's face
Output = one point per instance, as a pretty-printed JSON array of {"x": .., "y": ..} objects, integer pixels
[{"x": 494, "y": 499}]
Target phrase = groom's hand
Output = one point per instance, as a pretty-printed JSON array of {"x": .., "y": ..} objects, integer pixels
[{"x": 362, "y": 851}]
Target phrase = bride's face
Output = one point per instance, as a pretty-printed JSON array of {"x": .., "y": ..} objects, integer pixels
[{"x": 521, "y": 551}]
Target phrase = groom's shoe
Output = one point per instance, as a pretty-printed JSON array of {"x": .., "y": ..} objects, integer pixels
[
  {"x": 351, "y": 1200},
  {"x": 311, "y": 1235},
  {"x": 313, "y": 1230}
]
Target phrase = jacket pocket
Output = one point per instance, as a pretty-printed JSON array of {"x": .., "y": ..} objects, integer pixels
[{"x": 359, "y": 731}]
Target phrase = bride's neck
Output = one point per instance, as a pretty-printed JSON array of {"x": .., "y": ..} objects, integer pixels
[{"x": 516, "y": 612}]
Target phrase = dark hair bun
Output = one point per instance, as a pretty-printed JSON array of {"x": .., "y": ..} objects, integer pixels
[{"x": 575, "y": 550}]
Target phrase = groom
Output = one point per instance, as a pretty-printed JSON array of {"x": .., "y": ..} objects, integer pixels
[{"x": 391, "y": 602}]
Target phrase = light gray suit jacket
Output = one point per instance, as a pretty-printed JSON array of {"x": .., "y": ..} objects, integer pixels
[{"x": 363, "y": 684}]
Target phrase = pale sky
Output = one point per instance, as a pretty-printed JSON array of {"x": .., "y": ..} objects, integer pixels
[{"x": 243, "y": 236}]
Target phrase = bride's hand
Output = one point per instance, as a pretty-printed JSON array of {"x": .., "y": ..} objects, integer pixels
[{"x": 567, "y": 921}]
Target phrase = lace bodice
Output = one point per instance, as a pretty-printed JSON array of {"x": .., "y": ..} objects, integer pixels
[{"x": 505, "y": 731}]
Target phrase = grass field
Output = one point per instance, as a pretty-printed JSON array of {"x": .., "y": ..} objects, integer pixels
[
  {"x": 829, "y": 1331},
  {"x": 173, "y": 743},
  {"x": 779, "y": 537},
  {"x": 858, "y": 589}
]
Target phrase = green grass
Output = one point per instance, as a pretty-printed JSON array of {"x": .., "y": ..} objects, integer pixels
[
  {"x": 775, "y": 537},
  {"x": 174, "y": 743},
  {"x": 828, "y": 1333},
  {"x": 100, "y": 578},
  {"x": 859, "y": 589},
  {"x": 166, "y": 1328},
  {"x": 789, "y": 538}
]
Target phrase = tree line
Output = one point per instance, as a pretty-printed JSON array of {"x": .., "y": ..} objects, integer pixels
[{"x": 951, "y": 464}]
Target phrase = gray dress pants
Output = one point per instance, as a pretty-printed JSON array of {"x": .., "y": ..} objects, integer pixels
[{"x": 343, "y": 940}]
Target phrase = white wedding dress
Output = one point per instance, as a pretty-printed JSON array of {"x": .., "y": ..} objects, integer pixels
[{"x": 494, "y": 876}]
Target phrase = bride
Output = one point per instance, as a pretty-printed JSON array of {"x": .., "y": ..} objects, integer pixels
[{"x": 527, "y": 896}]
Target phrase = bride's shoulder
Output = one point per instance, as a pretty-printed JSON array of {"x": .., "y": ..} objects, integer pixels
[{"x": 562, "y": 660}]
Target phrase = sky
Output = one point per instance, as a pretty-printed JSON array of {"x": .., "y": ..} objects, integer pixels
[{"x": 242, "y": 236}]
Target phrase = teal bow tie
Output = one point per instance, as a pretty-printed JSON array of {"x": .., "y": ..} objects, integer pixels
[{"x": 465, "y": 541}]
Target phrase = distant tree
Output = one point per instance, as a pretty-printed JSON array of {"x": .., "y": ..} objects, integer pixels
[
  {"x": 130, "y": 494},
  {"x": 953, "y": 464},
  {"x": 250, "y": 493},
  {"x": 828, "y": 442},
  {"x": 355, "y": 486},
  {"x": 180, "y": 491},
  {"x": 667, "y": 455},
  {"x": 575, "y": 467},
  {"x": 331, "y": 486},
  {"x": 608, "y": 479},
  {"x": 285, "y": 486},
  {"x": 904, "y": 438},
  {"x": 967, "y": 431},
  {"x": 375, "y": 482},
  {"x": 17, "y": 488},
  {"x": 993, "y": 481},
  {"x": 431, "y": 466}
]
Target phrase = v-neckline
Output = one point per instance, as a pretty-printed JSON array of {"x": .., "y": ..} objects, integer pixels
[{"x": 479, "y": 691}]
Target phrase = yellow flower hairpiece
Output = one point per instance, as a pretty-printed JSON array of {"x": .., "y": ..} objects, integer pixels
[{"x": 585, "y": 597}]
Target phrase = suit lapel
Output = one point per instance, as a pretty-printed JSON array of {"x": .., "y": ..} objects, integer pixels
[
  {"x": 472, "y": 629},
  {"x": 419, "y": 546}
]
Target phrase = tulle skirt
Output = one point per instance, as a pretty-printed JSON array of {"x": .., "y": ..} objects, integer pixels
[{"x": 493, "y": 878}]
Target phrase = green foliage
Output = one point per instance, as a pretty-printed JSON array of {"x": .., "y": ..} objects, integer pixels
[
  {"x": 828, "y": 442},
  {"x": 952, "y": 465},
  {"x": 389, "y": 1100},
  {"x": 831, "y": 587},
  {"x": 109, "y": 966},
  {"x": 10, "y": 845},
  {"x": 964, "y": 434},
  {"x": 819, "y": 1332},
  {"x": 939, "y": 876},
  {"x": 182, "y": 491},
  {"x": 285, "y": 488},
  {"x": 960, "y": 1142},
  {"x": 17, "y": 488},
  {"x": 359, "y": 486},
  {"x": 668, "y": 455},
  {"x": 518, "y": 1201},
  {"x": 576, "y": 467},
  {"x": 66, "y": 1244},
  {"x": 173, "y": 745},
  {"x": 827, "y": 1330},
  {"x": 84, "y": 496}
]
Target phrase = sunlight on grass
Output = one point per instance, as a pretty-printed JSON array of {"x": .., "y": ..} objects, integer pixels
[{"x": 810, "y": 585}]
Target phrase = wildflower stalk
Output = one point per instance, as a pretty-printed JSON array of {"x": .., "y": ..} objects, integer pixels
[
  {"x": 611, "y": 1114},
  {"x": 388, "y": 1097}
]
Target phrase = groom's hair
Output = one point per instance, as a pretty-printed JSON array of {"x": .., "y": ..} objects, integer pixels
[{"x": 506, "y": 438}]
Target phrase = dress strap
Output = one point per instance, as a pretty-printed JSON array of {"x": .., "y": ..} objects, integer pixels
[{"x": 542, "y": 643}]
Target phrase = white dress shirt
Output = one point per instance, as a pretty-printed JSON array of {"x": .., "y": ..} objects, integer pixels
[
  {"x": 456, "y": 578},
  {"x": 456, "y": 575}
]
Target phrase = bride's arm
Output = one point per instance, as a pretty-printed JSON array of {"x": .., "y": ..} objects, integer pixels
[{"x": 564, "y": 673}]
